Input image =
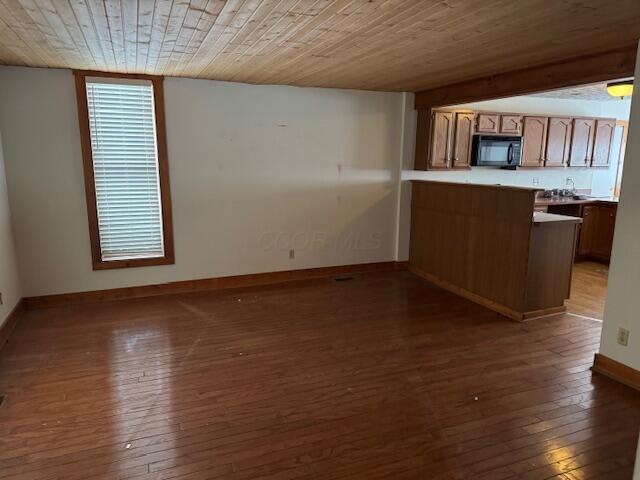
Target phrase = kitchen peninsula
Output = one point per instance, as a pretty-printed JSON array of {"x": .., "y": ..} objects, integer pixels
[
  {"x": 599, "y": 218},
  {"x": 488, "y": 244}
]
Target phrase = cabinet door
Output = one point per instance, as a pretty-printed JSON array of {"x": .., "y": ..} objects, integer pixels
[
  {"x": 603, "y": 236},
  {"x": 441, "y": 130},
  {"x": 488, "y": 123},
  {"x": 581, "y": 142},
  {"x": 511, "y": 124},
  {"x": 462, "y": 140},
  {"x": 558, "y": 141},
  {"x": 588, "y": 230},
  {"x": 602, "y": 143},
  {"x": 533, "y": 141}
]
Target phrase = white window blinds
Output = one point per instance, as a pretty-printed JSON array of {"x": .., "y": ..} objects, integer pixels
[{"x": 125, "y": 168}]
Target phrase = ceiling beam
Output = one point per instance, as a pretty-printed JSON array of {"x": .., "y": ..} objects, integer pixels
[{"x": 595, "y": 68}]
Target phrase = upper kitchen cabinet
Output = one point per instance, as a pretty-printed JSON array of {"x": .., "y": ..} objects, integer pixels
[
  {"x": 511, "y": 124},
  {"x": 582, "y": 142},
  {"x": 445, "y": 138},
  {"x": 440, "y": 140},
  {"x": 488, "y": 123},
  {"x": 463, "y": 137},
  {"x": 558, "y": 141},
  {"x": 533, "y": 141},
  {"x": 602, "y": 142},
  {"x": 498, "y": 123}
]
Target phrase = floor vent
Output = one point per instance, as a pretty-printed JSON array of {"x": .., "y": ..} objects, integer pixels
[{"x": 342, "y": 279}]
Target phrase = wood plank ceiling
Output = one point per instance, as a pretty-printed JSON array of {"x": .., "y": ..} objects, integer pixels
[{"x": 399, "y": 45}]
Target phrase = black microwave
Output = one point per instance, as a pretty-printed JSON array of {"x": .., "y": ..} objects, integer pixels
[{"x": 496, "y": 151}]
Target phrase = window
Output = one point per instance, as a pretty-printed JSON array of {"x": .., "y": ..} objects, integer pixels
[{"x": 125, "y": 169}]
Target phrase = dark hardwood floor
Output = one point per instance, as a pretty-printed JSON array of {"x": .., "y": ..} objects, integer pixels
[{"x": 380, "y": 377}]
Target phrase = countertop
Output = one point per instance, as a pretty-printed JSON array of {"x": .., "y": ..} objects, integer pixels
[
  {"x": 485, "y": 185},
  {"x": 542, "y": 201},
  {"x": 543, "y": 217}
]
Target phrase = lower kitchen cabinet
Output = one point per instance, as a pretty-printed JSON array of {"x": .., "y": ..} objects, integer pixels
[{"x": 596, "y": 233}]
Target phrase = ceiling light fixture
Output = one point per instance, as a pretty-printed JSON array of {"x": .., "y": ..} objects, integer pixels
[{"x": 620, "y": 89}]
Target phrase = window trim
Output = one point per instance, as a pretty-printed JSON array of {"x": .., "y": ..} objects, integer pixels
[{"x": 89, "y": 181}]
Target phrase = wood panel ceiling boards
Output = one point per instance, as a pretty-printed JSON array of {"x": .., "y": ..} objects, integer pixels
[{"x": 401, "y": 45}]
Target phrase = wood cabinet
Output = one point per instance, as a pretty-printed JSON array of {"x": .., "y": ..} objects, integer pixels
[
  {"x": 444, "y": 138},
  {"x": 558, "y": 141},
  {"x": 534, "y": 138},
  {"x": 511, "y": 124},
  {"x": 582, "y": 142},
  {"x": 602, "y": 143},
  {"x": 488, "y": 123},
  {"x": 441, "y": 137},
  {"x": 588, "y": 229},
  {"x": 462, "y": 139},
  {"x": 499, "y": 123},
  {"x": 596, "y": 234},
  {"x": 606, "y": 227},
  {"x": 458, "y": 237}
]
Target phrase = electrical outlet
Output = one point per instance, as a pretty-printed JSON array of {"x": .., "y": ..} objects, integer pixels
[
  {"x": 292, "y": 254},
  {"x": 623, "y": 337}
]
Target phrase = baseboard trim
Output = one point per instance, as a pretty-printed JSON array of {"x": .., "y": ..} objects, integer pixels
[
  {"x": 545, "y": 312},
  {"x": 616, "y": 371},
  {"x": 6, "y": 329},
  {"x": 485, "y": 302},
  {"x": 207, "y": 284}
]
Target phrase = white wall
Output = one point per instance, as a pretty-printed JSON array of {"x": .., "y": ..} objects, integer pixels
[
  {"x": 408, "y": 154},
  {"x": 636, "y": 471},
  {"x": 9, "y": 281},
  {"x": 255, "y": 170},
  {"x": 623, "y": 302}
]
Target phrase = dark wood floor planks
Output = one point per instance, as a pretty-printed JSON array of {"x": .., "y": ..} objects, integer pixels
[{"x": 384, "y": 376}]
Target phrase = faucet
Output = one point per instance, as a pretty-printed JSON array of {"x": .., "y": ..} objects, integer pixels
[{"x": 569, "y": 181}]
